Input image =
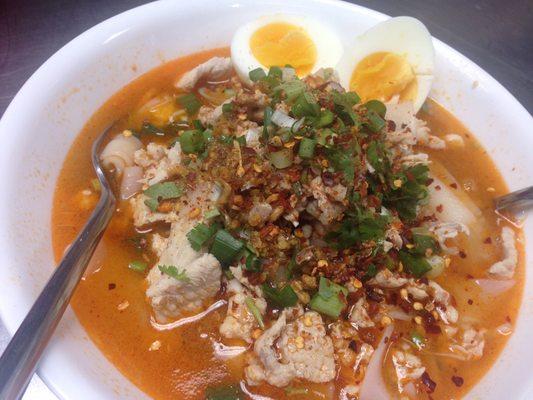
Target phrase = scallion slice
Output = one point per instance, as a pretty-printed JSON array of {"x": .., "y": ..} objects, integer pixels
[
  {"x": 418, "y": 340},
  {"x": 257, "y": 74},
  {"x": 307, "y": 148},
  {"x": 377, "y": 106},
  {"x": 305, "y": 105},
  {"x": 190, "y": 102},
  {"x": 282, "y": 159},
  {"x": 224, "y": 392},
  {"x": 324, "y": 119},
  {"x": 227, "y": 108},
  {"x": 280, "y": 297},
  {"x": 327, "y": 300},
  {"x": 375, "y": 122},
  {"x": 138, "y": 266},
  {"x": 253, "y": 263},
  {"x": 214, "y": 212},
  {"x": 192, "y": 141},
  {"x": 252, "y": 307},
  {"x": 225, "y": 247}
]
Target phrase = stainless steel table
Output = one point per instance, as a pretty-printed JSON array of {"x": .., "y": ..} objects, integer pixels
[{"x": 495, "y": 34}]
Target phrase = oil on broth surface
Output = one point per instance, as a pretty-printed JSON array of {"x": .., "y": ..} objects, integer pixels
[{"x": 179, "y": 363}]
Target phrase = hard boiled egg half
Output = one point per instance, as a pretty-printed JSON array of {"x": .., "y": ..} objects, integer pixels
[
  {"x": 279, "y": 40},
  {"x": 393, "y": 58}
]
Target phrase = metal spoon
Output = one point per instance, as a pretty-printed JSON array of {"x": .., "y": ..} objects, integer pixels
[
  {"x": 519, "y": 200},
  {"x": 19, "y": 360}
]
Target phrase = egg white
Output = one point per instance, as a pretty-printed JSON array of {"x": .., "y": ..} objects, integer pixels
[
  {"x": 328, "y": 45},
  {"x": 405, "y": 36}
]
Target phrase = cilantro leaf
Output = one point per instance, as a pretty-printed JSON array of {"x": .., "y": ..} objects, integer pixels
[
  {"x": 415, "y": 264},
  {"x": 162, "y": 191},
  {"x": 344, "y": 103},
  {"x": 343, "y": 159},
  {"x": 363, "y": 226},
  {"x": 412, "y": 192},
  {"x": 200, "y": 234},
  {"x": 173, "y": 272}
]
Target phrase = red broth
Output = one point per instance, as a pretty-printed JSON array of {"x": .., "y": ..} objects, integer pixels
[{"x": 180, "y": 363}]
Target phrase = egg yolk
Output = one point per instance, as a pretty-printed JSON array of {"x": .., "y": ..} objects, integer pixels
[
  {"x": 280, "y": 44},
  {"x": 383, "y": 75}
]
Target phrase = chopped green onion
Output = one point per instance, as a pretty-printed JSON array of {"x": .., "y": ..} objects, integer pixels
[
  {"x": 190, "y": 102},
  {"x": 375, "y": 122},
  {"x": 229, "y": 275},
  {"x": 293, "y": 391},
  {"x": 192, "y": 141},
  {"x": 267, "y": 121},
  {"x": 226, "y": 139},
  {"x": 197, "y": 124},
  {"x": 346, "y": 100},
  {"x": 292, "y": 89},
  {"x": 173, "y": 272},
  {"x": 307, "y": 148},
  {"x": 275, "y": 72},
  {"x": 377, "y": 106},
  {"x": 241, "y": 140},
  {"x": 229, "y": 92},
  {"x": 252, "y": 307},
  {"x": 200, "y": 234},
  {"x": 418, "y": 340},
  {"x": 438, "y": 264},
  {"x": 298, "y": 189},
  {"x": 138, "y": 266},
  {"x": 282, "y": 158},
  {"x": 208, "y": 135},
  {"x": 96, "y": 185},
  {"x": 227, "y": 108},
  {"x": 149, "y": 129},
  {"x": 214, "y": 212},
  {"x": 225, "y": 392},
  {"x": 280, "y": 297},
  {"x": 253, "y": 263},
  {"x": 327, "y": 300},
  {"x": 331, "y": 307},
  {"x": 225, "y": 247},
  {"x": 371, "y": 272},
  {"x": 327, "y": 288},
  {"x": 324, "y": 119},
  {"x": 305, "y": 105},
  {"x": 343, "y": 106},
  {"x": 323, "y": 136},
  {"x": 257, "y": 74}
]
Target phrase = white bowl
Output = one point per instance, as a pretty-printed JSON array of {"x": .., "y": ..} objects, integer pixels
[{"x": 46, "y": 115}]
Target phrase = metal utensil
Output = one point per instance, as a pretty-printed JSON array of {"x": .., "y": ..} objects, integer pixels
[
  {"x": 19, "y": 360},
  {"x": 519, "y": 200}
]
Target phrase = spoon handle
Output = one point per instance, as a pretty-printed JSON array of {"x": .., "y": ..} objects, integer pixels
[
  {"x": 20, "y": 358},
  {"x": 519, "y": 200}
]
